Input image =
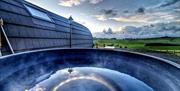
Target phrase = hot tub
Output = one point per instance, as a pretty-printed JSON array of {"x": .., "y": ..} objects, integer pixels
[{"x": 87, "y": 70}]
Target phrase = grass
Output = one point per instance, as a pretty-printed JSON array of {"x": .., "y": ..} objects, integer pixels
[{"x": 140, "y": 44}]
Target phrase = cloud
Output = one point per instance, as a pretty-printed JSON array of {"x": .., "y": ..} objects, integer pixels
[
  {"x": 147, "y": 18},
  {"x": 177, "y": 10},
  {"x": 139, "y": 16},
  {"x": 95, "y": 1},
  {"x": 100, "y": 17},
  {"x": 71, "y": 3},
  {"x": 108, "y": 12},
  {"x": 135, "y": 19},
  {"x": 140, "y": 10},
  {"x": 165, "y": 11},
  {"x": 168, "y": 3}
]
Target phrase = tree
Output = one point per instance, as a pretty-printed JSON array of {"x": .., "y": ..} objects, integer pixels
[
  {"x": 109, "y": 31},
  {"x": 104, "y": 31}
]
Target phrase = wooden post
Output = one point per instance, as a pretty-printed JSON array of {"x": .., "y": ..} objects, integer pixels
[{"x": 4, "y": 33}]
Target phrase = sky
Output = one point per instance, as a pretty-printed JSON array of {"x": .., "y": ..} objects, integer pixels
[{"x": 98, "y": 15}]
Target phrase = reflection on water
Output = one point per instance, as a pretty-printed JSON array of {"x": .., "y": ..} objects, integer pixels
[{"x": 90, "y": 79}]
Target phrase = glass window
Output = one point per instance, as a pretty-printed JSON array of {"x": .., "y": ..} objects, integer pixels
[{"x": 37, "y": 13}]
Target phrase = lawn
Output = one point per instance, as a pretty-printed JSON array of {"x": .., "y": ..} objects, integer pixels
[{"x": 140, "y": 44}]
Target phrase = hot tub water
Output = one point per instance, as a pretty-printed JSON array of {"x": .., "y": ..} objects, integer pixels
[{"x": 91, "y": 79}]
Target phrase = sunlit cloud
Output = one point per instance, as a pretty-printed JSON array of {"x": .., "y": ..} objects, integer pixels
[
  {"x": 138, "y": 19},
  {"x": 100, "y": 17},
  {"x": 95, "y": 1},
  {"x": 148, "y": 18},
  {"x": 121, "y": 28},
  {"x": 71, "y": 3},
  {"x": 178, "y": 20}
]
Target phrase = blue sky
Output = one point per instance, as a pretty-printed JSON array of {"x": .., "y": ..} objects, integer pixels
[{"x": 116, "y": 14}]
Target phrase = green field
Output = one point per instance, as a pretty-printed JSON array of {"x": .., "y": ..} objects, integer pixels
[{"x": 140, "y": 44}]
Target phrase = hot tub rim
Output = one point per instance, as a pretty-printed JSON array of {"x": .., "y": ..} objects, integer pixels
[{"x": 102, "y": 49}]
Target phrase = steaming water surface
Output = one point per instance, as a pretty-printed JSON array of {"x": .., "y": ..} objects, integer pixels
[{"x": 91, "y": 79}]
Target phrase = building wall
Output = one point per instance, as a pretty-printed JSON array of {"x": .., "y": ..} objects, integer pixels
[
  {"x": 26, "y": 32},
  {"x": 0, "y": 44}
]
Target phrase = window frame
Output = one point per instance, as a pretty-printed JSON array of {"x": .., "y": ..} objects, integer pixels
[{"x": 28, "y": 7}]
